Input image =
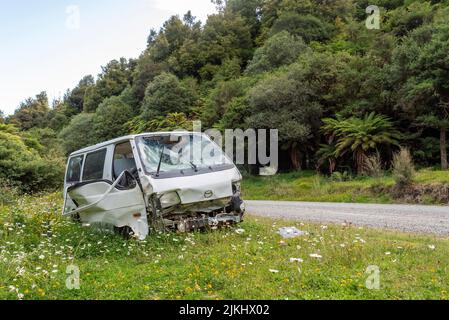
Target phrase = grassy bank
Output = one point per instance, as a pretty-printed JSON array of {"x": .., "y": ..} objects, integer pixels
[
  {"x": 308, "y": 186},
  {"x": 37, "y": 245}
]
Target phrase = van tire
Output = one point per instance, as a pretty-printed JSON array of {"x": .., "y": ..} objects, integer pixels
[
  {"x": 125, "y": 232},
  {"x": 75, "y": 218}
]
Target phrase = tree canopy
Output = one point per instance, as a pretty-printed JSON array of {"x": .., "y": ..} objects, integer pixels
[{"x": 291, "y": 65}]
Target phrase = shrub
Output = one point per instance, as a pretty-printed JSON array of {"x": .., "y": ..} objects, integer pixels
[
  {"x": 79, "y": 133},
  {"x": 373, "y": 166},
  {"x": 8, "y": 193},
  {"x": 341, "y": 177},
  {"x": 110, "y": 118},
  {"x": 280, "y": 49},
  {"x": 403, "y": 168},
  {"x": 22, "y": 165}
]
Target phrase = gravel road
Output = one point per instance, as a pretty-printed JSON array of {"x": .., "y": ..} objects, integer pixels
[{"x": 409, "y": 218}]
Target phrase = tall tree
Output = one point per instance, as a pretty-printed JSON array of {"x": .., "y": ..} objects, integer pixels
[
  {"x": 225, "y": 37},
  {"x": 110, "y": 117},
  {"x": 79, "y": 133},
  {"x": 33, "y": 112},
  {"x": 75, "y": 98},
  {"x": 423, "y": 65},
  {"x": 114, "y": 78},
  {"x": 281, "y": 49},
  {"x": 166, "y": 94}
]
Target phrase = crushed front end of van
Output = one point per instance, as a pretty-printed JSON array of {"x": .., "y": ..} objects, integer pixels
[{"x": 165, "y": 181}]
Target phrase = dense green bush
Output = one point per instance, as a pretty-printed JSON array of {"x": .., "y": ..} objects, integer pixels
[
  {"x": 281, "y": 49},
  {"x": 79, "y": 133},
  {"x": 110, "y": 118},
  {"x": 23, "y": 166},
  {"x": 8, "y": 193}
]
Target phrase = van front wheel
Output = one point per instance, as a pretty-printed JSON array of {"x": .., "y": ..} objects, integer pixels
[{"x": 125, "y": 232}]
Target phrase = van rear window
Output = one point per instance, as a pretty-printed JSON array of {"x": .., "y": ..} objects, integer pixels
[
  {"x": 94, "y": 166},
  {"x": 74, "y": 169}
]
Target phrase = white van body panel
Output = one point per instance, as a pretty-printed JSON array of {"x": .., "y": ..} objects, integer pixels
[{"x": 192, "y": 189}]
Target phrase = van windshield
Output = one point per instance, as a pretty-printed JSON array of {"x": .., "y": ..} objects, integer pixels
[{"x": 184, "y": 152}]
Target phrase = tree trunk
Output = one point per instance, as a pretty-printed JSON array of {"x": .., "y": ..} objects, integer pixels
[
  {"x": 295, "y": 157},
  {"x": 332, "y": 166},
  {"x": 360, "y": 159},
  {"x": 443, "y": 149}
]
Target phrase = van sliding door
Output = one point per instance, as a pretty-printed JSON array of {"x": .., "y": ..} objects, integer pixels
[{"x": 100, "y": 201}]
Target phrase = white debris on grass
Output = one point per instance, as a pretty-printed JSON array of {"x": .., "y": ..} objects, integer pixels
[
  {"x": 240, "y": 231},
  {"x": 290, "y": 232}
]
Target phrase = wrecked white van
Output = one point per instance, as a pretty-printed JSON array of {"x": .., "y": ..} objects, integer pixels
[{"x": 180, "y": 181}]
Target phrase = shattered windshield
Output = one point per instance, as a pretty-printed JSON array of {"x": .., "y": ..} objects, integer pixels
[{"x": 180, "y": 152}]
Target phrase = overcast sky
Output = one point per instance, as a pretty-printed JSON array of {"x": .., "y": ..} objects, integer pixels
[{"x": 49, "y": 45}]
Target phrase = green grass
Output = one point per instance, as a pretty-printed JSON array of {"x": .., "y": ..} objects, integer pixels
[
  {"x": 308, "y": 186},
  {"x": 37, "y": 245}
]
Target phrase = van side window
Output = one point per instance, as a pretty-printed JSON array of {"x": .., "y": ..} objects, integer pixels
[
  {"x": 74, "y": 170},
  {"x": 94, "y": 166},
  {"x": 123, "y": 159}
]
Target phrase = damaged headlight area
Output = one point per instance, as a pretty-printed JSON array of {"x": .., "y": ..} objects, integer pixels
[
  {"x": 237, "y": 204},
  {"x": 169, "y": 200}
]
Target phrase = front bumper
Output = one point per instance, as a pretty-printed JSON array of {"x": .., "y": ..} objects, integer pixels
[{"x": 193, "y": 224}]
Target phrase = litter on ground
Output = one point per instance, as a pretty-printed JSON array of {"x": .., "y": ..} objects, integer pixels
[{"x": 290, "y": 232}]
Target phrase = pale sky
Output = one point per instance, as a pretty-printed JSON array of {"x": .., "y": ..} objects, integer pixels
[{"x": 49, "y": 45}]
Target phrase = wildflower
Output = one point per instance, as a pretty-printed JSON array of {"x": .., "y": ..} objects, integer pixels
[
  {"x": 387, "y": 253},
  {"x": 432, "y": 247},
  {"x": 315, "y": 255},
  {"x": 299, "y": 260},
  {"x": 20, "y": 271},
  {"x": 240, "y": 231}
]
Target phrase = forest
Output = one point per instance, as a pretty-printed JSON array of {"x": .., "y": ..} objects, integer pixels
[{"x": 337, "y": 91}]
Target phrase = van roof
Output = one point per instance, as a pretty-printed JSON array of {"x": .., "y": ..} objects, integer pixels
[{"x": 122, "y": 139}]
